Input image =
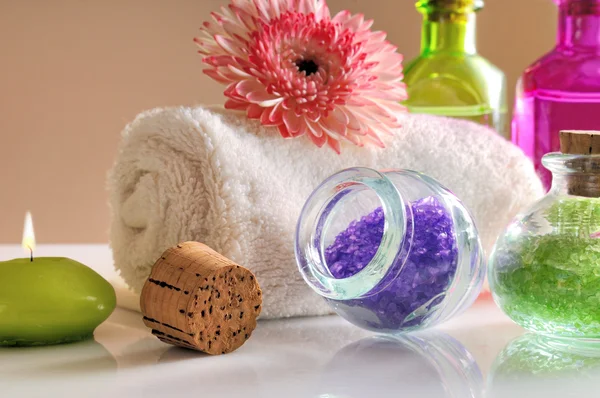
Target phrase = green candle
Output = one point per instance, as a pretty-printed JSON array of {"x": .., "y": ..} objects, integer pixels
[{"x": 50, "y": 300}]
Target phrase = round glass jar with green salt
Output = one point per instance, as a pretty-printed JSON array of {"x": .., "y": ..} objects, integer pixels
[{"x": 544, "y": 271}]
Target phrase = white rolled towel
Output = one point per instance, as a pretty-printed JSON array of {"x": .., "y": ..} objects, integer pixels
[{"x": 210, "y": 175}]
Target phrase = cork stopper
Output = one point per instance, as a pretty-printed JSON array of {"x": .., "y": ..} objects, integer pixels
[
  {"x": 198, "y": 299},
  {"x": 580, "y": 142},
  {"x": 585, "y": 181}
]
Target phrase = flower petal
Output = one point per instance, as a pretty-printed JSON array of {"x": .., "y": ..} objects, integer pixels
[
  {"x": 303, "y": 129},
  {"x": 276, "y": 115},
  {"x": 332, "y": 124},
  {"x": 229, "y": 45},
  {"x": 246, "y": 87},
  {"x": 313, "y": 115},
  {"x": 342, "y": 16},
  {"x": 373, "y": 138},
  {"x": 215, "y": 75},
  {"x": 334, "y": 144},
  {"x": 292, "y": 122},
  {"x": 288, "y": 103},
  {"x": 284, "y": 131},
  {"x": 236, "y": 105},
  {"x": 263, "y": 98},
  {"x": 263, "y": 9},
  {"x": 340, "y": 116},
  {"x": 264, "y": 118},
  {"x": 272, "y": 102},
  {"x": 353, "y": 122},
  {"x": 275, "y": 7},
  {"x": 319, "y": 140},
  {"x": 254, "y": 111},
  {"x": 315, "y": 130},
  {"x": 238, "y": 72}
]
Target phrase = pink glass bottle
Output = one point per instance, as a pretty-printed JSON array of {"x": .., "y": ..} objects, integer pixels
[{"x": 561, "y": 91}]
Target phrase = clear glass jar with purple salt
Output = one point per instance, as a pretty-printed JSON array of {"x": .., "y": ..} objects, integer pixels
[{"x": 390, "y": 251}]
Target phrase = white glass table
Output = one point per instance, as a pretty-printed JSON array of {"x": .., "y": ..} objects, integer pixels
[{"x": 305, "y": 357}]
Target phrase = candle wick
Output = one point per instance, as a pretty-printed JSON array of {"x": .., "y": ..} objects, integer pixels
[{"x": 31, "y": 253}]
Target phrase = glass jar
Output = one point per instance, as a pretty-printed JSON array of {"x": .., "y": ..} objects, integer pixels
[
  {"x": 390, "y": 251},
  {"x": 545, "y": 268}
]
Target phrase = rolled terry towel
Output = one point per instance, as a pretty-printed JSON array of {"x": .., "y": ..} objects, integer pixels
[{"x": 210, "y": 175}]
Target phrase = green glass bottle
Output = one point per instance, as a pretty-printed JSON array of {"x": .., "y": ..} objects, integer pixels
[{"x": 449, "y": 78}]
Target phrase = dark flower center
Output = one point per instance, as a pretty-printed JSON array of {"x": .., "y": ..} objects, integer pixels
[{"x": 307, "y": 66}]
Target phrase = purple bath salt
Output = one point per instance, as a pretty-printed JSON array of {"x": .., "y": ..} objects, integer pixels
[{"x": 419, "y": 276}]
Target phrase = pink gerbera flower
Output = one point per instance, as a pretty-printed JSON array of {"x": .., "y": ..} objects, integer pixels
[{"x": 292, "y": 66}]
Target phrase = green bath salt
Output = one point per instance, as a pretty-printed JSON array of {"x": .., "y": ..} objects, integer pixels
[{"x": 546, "y": 272}]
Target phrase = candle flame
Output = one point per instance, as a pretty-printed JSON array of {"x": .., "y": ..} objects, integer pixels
[{"x": 28, "y": 235}]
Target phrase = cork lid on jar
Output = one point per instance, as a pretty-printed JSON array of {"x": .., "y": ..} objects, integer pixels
[{"x": 580, "y": 142}]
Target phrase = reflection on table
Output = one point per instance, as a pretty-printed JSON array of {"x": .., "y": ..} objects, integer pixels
[
  {"x": 537, "y": 366},
  {"x": 428, "y": 364}
]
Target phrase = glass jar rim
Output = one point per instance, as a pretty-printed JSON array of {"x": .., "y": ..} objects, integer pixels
[
  {"x": 562, "y": 163},
  {"x": 559, "y": 2},
  {"x": 579, "y": 7},
  {"x": 451, "y": 5},
  {"x": 310, "y": 259}
]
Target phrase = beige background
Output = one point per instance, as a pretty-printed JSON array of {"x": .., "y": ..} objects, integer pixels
[{"x": 74, "y": 72}]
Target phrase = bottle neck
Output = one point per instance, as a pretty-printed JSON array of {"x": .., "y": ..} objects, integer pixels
[
  {"x": 449, "y": 32},
  {"x": 586, "y": 184},
  {"x": 579, "y": 25}
]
